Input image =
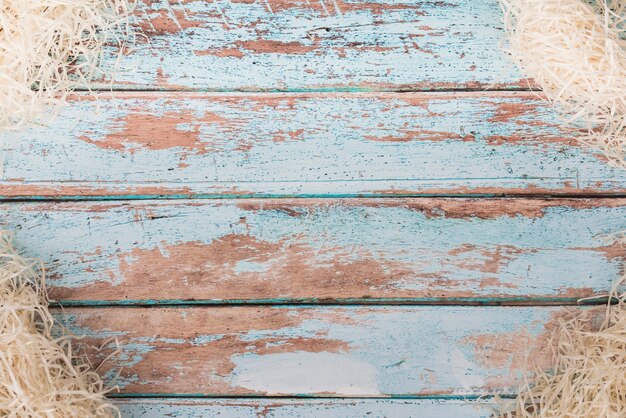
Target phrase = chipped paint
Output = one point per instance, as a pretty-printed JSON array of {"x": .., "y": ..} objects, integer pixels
[
  {"x": 329, "y": 249},
  {"x": 335, "y": 145},
  {"x": 304, "y": 408},
  {"x": 341, "y": 351},
  {"x": 268, "y": 332},
  {"x": 227, "y": 145},
  {"x": 145, "y": 131},
  {"x": 327, "y": 44}
]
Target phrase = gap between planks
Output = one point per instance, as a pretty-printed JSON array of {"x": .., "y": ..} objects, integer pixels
[
  {"x": 203, "y": 196},
  {"x": 433, "y": 397},
  {"x": 294, "y": 302},
  {"x": 487, "y": 89}
]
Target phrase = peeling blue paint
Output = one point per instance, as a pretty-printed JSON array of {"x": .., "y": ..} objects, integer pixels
[
  {"x": 250, "y": 153},
  {"x": 431, "y": 350},
  {"x": 377, "y": 45},
  {"x": 539, "y": 256},
  {"x": 292, "y": 408}
]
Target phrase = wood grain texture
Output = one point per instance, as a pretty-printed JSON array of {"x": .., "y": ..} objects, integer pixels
[
  {"x": 211, "y": 145},
  {"x": 151, "y": 143},
  {"x": 316, "y": 250},
  {"x": 305, "y": 408},
  {"x": 315, "y": 351},
  {"x": 315, "y": 45}
]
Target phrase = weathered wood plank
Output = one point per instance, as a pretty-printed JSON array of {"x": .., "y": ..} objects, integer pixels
[
  {"x": 321, "y": 351},
  {"x": 187, "y": 144},
  {"x": 481, "y": 250},
  {"x": 305, "y": 408},
  {"x": 302, "y": 44}
]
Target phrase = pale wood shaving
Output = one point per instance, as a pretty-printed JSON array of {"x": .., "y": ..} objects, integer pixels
[
  {"x": 48, "y": 48},
  {"x": 575, "y": 51},
  {"x": 40, "y": 374}
]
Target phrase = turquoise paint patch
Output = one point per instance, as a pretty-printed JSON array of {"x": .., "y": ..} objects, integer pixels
[{"x": 246, "y": 266}]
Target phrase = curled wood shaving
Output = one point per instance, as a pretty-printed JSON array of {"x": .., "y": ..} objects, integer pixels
[
  {"x": 576, "y": 52},
  {"x": 40, "y": 375},
  {"x": 49, "y": 47},
  {"x": 588, "y": 374}
]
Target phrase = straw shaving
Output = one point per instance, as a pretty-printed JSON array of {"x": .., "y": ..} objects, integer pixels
[
  {"x": 576, "y": 52},
  {"x": 49, "y": 47},
  {"x": 588, "y": 377},
  {"x": 40, "y": 375}
]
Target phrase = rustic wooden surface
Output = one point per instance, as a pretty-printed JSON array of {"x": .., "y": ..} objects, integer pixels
[
  {"x": 190, "y": 145},
  {"x": 335, "y": 408},
  {"x": 315, "y": 45},
  {"x": 317, "y": 351},
  {"x": 309, "y": 174},
  {"x": 316, "y": 250}
]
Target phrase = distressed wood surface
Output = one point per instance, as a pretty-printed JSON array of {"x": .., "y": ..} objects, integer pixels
[
  {"x": 343, "y": 144},
  {"x": 305, "y": 408},
  {"x": 318, "y": 45},
  {"x": 315, "y": 351},
  {"x": 150, "y": 144},
  {"x": 420, "y": 250}
]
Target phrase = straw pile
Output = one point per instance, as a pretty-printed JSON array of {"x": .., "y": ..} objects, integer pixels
[
  {"x": 588, "y": 376},
  {"x": 576, "y": 52},
  {"x": 47, "y": 48},
  {"x": 40, "y": 376}
]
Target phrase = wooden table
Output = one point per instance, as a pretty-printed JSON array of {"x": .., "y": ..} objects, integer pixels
[{"x": 313, "y": 208}]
